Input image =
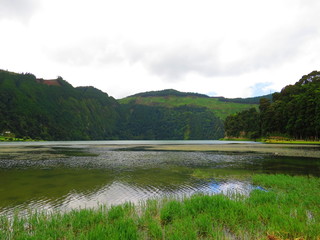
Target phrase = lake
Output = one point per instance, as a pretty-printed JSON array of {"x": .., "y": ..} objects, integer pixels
[{"x": 70, "y": 175}]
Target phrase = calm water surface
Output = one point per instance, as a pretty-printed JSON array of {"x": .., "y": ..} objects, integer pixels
[{"x": 68, "y": 175}]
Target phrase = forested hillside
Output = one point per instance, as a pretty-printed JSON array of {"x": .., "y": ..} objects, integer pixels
[
  {"x": 294, "y": 113},
  {"x": 169, "y": 98},
  {"x": 54, "y": 110},
  {"x": 154, "y": 122}
]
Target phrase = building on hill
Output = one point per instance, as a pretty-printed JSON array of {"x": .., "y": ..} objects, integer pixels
[{"x": 53, "y": 82}]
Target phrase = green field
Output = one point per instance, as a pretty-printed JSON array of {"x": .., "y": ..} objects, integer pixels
[
  {"x": 220, "y": 108},
  {"x": 288, "y": 208}
]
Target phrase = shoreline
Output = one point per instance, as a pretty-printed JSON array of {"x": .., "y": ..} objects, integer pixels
[
  {"x": 288, "y": 150},
  {"x": 288, "y": 209},
  {"x": 273, "y": 141}
]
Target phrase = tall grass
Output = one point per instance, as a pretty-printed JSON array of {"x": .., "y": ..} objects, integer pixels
[{"x": 290, "y": 209}]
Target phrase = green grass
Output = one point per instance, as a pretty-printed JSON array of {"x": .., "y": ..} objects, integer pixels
[
  {"x": 274, "y": 140},
  {"x": 290, "y": 141},
  {"x": 221, "y": 109},
  {"x": 288, "y": 210},
  {"x": 14, "y": 139}
]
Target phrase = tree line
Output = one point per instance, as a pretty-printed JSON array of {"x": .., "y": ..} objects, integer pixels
[{"x": 294, "y": 112}]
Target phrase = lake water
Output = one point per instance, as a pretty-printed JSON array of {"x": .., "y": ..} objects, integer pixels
[{"x": 70, "y": 175}]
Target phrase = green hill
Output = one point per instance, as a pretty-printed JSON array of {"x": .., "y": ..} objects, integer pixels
[
  {"x": 54, "y": 110},
  {"x": 221, "y": 107},
  {"x": 168, "y": 92}
]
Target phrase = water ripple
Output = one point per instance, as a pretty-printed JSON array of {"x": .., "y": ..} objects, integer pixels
[{"x": 113, "y": 177}]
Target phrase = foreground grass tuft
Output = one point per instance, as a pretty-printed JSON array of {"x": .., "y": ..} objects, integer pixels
[{"x": 290, "y": 209}]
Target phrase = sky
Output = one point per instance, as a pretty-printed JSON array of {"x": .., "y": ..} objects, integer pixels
[{"x": 227, "y": 48}]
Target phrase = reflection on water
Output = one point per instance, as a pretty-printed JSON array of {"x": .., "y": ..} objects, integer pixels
[{"x": 69, "y": 177}]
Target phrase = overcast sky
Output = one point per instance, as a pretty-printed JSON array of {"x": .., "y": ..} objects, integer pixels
[{"x": 225, "y": 48}]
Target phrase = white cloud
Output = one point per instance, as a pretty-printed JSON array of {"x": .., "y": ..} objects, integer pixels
[
  {"x": 124, "y": 47},
  {"x": 17, "y": 9}
]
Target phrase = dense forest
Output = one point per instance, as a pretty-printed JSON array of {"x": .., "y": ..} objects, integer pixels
[
  {"x": 293, "y": 113},
  {"x": 30, "y": 108},
  {"x": 55, "y": 110},
  {"x": 150, "y": 122}
]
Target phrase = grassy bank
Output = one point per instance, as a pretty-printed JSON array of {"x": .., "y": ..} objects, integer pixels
[
  {"x": 14, "y": 139},
  {"x": 274, "y": 140},
  {"x": 281, "y": 141},
  {"x": 288, "y": 210}
]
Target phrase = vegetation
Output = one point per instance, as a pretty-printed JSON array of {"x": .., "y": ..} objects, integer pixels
[
  {"x": 243, "y": 124},
  {"x": 14, "y": 139},
  {"x": 168, "y": 92},
  {"x": 31, "y": 109},
  {"x": 173, "y": 99},
  {"x": 149, "y": 122},
  {"x": 253, "y": 100},
  {"x": 54, "y": 110},
  {"x": 288, "y": 141},
  {"x": 294, "y": 113},
  {"x": 289, "y": 209}
]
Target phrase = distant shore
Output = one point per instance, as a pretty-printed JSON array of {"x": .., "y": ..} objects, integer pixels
[
  {"x": 294, "y": 150},
  {"x": 274, "y": 140}
]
